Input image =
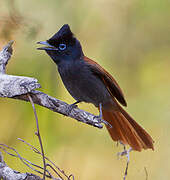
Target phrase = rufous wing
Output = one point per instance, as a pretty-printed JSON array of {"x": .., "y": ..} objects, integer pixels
[{"x": 111, "y": 84}]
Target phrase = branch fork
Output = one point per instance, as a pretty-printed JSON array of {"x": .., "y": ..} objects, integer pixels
[
  {"x": 17, "y": 87},
  {"x": 24, "y": 88}
]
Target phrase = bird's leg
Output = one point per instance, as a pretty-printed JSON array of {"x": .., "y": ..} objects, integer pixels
[
  {"x": 101, "y": 116},
  {"x": 72, "y": 106},
  {"x": 100, "y": 111}
]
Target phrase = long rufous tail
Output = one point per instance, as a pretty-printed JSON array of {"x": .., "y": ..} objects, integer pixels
[{"x": 125, "y": 129}]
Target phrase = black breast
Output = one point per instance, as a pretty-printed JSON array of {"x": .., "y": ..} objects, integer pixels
[{"x": 82, "y": 84}]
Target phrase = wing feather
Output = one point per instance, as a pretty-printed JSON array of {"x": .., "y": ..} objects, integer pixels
[{"x": 111, "y": 84}]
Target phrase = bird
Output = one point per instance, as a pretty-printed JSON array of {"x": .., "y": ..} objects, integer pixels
[{"x": 88, "y": 82}]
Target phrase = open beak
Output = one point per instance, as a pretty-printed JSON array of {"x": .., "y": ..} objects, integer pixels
[{"x": 47, "y": 46}]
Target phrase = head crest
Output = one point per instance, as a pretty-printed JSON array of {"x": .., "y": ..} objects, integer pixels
[{"x": 63, "y": 35}]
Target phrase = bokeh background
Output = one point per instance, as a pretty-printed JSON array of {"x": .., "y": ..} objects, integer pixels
[{"x": 131, "y": 39}]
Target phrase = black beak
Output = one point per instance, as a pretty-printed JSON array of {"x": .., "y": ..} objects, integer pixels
[{"x": 47, "y": 46}]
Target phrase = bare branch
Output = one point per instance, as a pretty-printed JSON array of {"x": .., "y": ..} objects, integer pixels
[
  {"x": 23, "y": 88},
  {"x": 127, "y": 154},
  {"x": 9, "y": 174},
  {"x": 17, "y": 87},
  {"x": 39, "y": 136},
  {"x": 28, "y": 163},
  {"x": 5, "y": 55},
  {"x": 13, "y": 152},
  {"x": 146, "y": 172},
  {"x": 1, "y": 158},
  {"x": 38, "y": 152}
]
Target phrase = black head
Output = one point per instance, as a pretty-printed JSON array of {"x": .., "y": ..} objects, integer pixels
[{"x": 62, "y": 46}]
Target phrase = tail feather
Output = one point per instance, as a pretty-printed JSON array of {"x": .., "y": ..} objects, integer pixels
[
  {"x": 141, "y": 132},
  {"x": 125, "y": 129}
]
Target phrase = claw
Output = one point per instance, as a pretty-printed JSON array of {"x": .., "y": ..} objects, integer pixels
[
  {"x": 72, "y": 106},
  {"x": 101, "y": 120}
]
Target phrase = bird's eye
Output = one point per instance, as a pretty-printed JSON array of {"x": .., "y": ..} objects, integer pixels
[{"x": 62, "y": 47}]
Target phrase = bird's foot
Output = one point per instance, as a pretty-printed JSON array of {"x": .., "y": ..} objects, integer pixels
[
  {"x": 101, "y": 120},
  {"x": 72, "y": 106},
  {"x": 100, "y": 117}
]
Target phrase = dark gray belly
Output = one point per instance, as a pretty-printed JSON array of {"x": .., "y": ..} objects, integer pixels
[{"x": 83, "y": 85}]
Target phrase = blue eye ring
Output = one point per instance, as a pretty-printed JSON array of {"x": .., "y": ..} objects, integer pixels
[{"x": 62, "y": 46}]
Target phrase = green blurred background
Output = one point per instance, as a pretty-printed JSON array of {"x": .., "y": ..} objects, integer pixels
[{"x": 131, "y": 39}]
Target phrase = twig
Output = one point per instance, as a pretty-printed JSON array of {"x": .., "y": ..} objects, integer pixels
[
  {"x": 10, "y": 174},
  {"x": 126, "y": 170},
  {"x": 23, "y": 88},
  {"x": 71, "y": 176},
  {"x": 38, "y": 152},
  {"x": 30, "y": 164},
  {"x": 146, "y": 172},
  {"x": 39, "y": 136},
  {"x": 54, "y": 170},
  {"x": 1, "y": 157},
  {"x": 25, "y": 161},
  {"x": 127, "y": 153},
  {"x": 5, "y": 55}
]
